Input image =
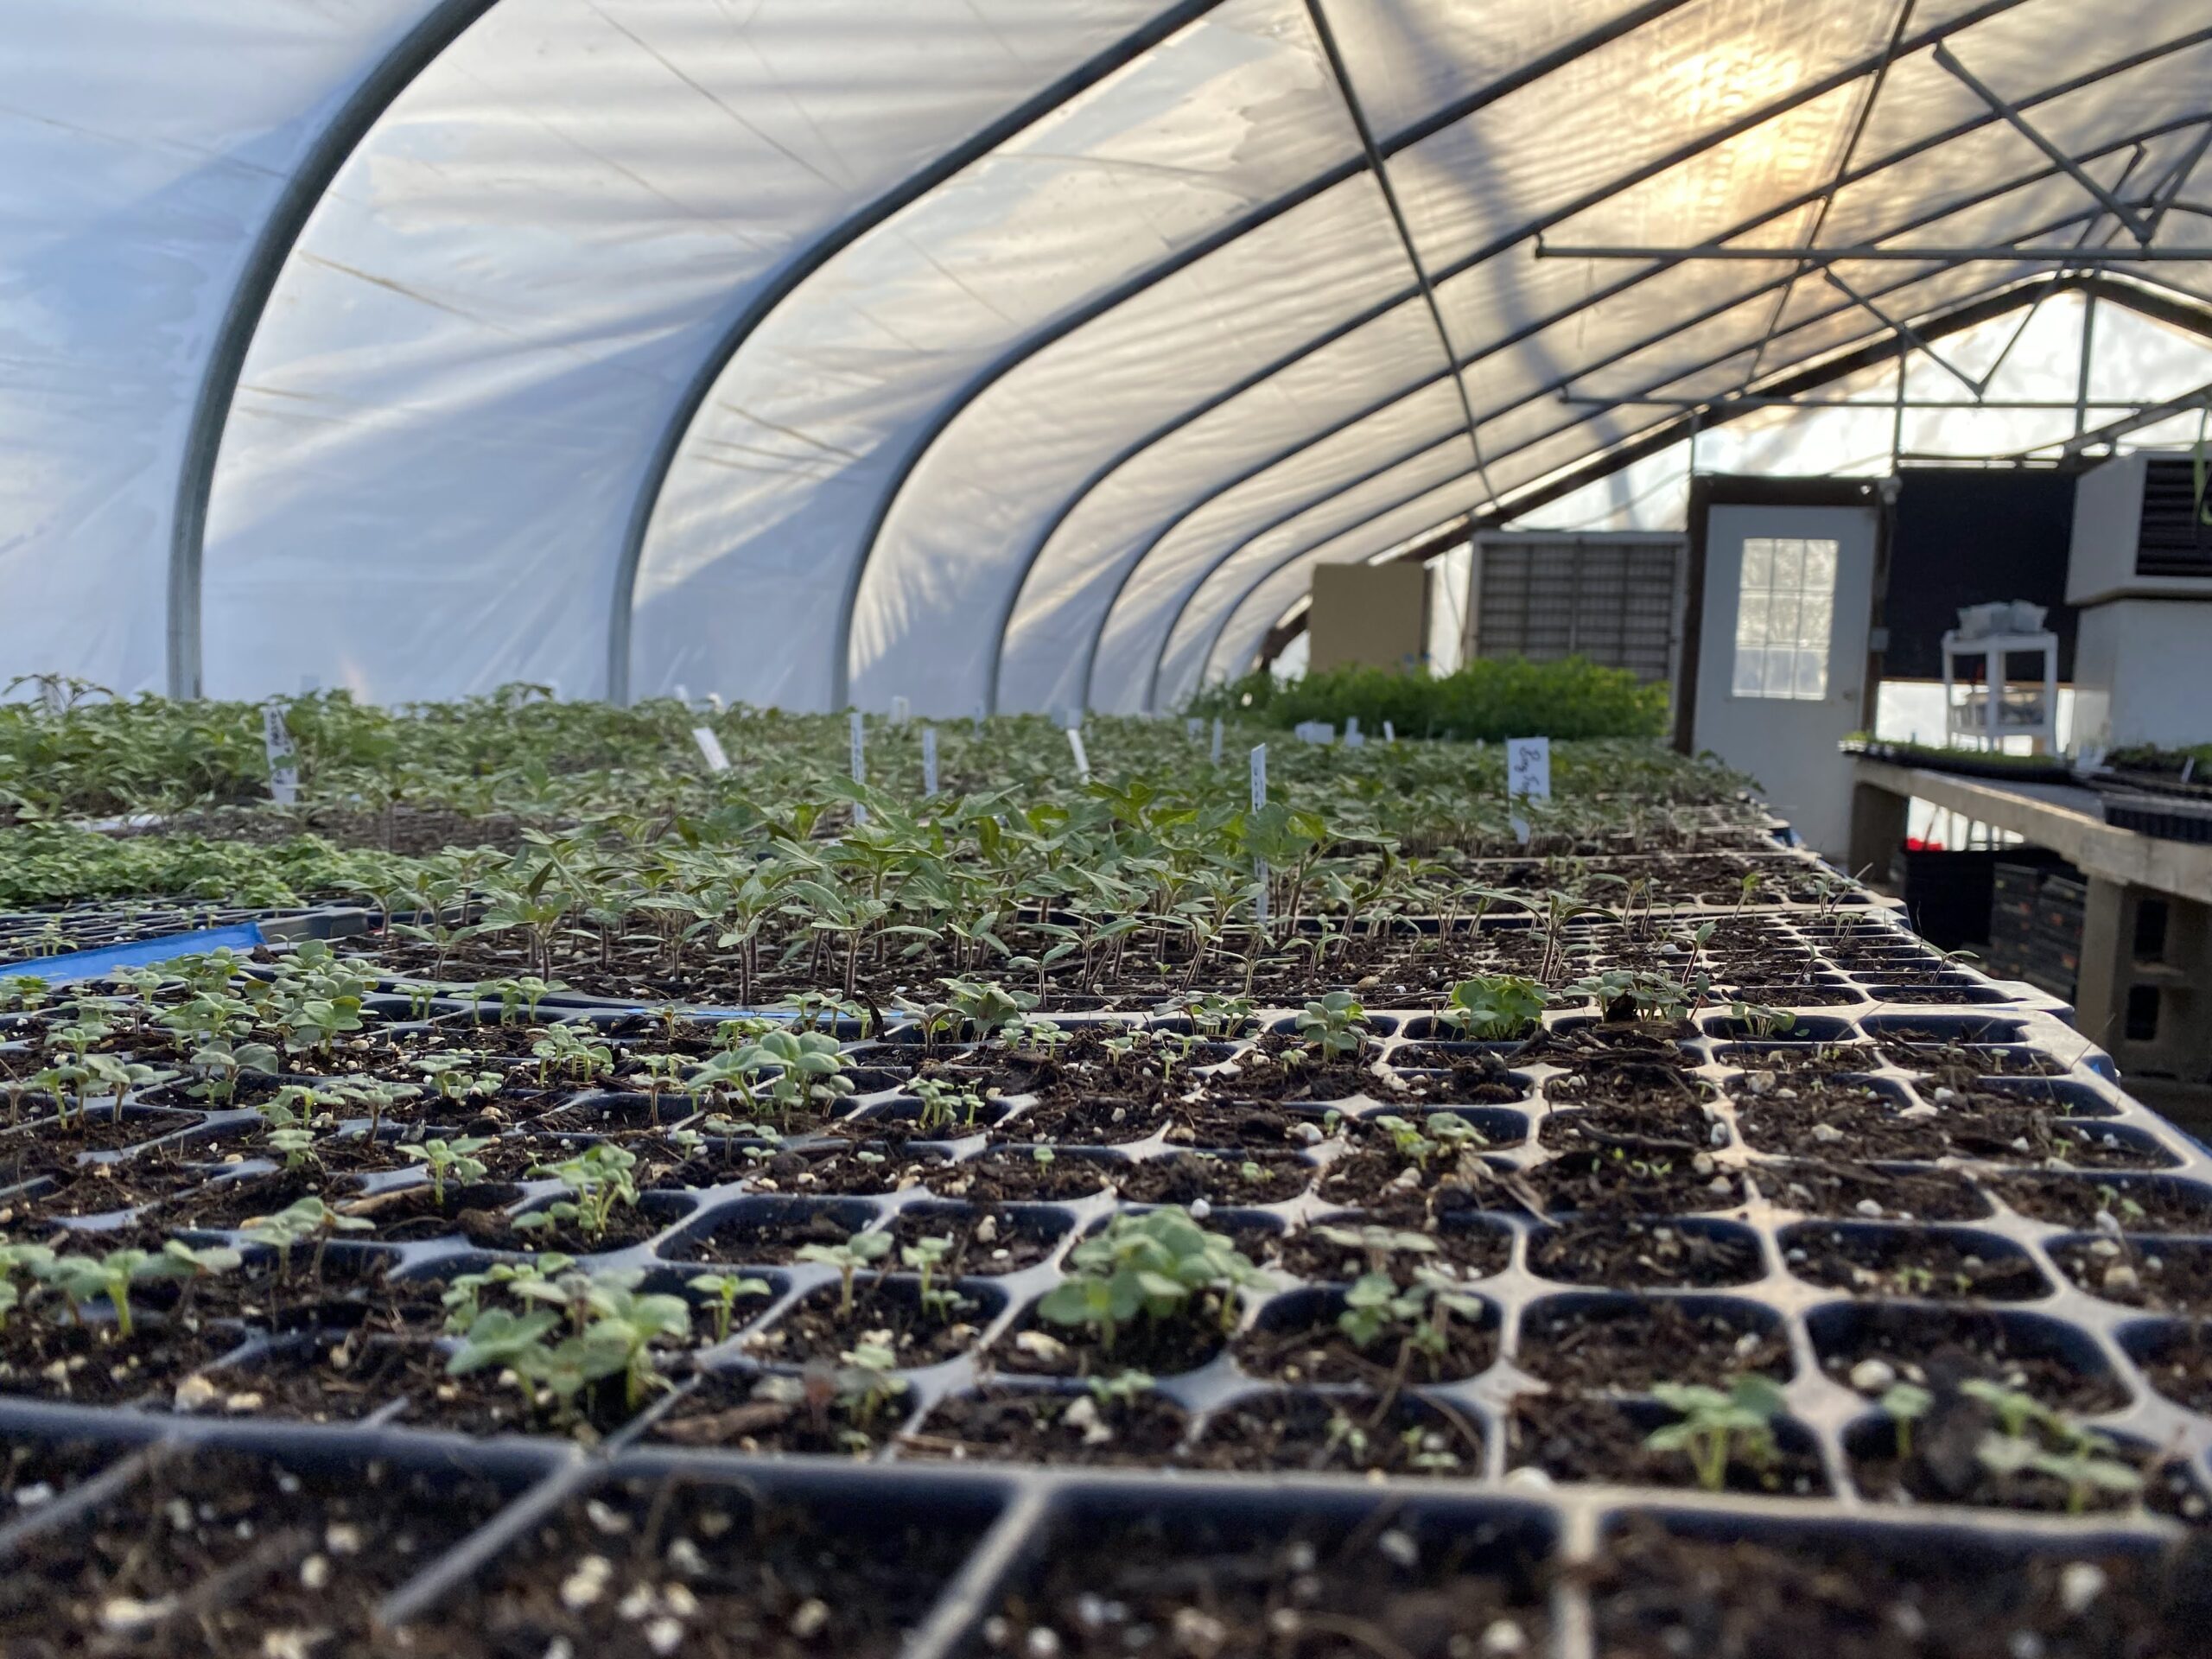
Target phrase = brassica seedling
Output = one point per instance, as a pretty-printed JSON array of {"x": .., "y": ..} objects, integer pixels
[
  {"x": 1494, "y": 1008},
  {"x": 722, "y": 1291},
  {"x": 849, "y": 1258},
  {"x": 1905, "y": 1404},
  {"x": 453, "y": 1160},
  {"x": 308, "y": 1217},
  {"x": 1154, "y": 1264},
  {"x": 600, "y": 1179},
  {"x": 1330, "y": 1025},
  {"x": 923, "y": 1256},
  {"x": 1715, "y": 1426}
]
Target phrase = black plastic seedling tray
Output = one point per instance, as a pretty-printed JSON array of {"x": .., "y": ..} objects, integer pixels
[{"x": 2077, "y": 1261}]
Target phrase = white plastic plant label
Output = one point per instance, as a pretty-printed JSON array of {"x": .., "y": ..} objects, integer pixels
[
  {"x": 1390, "y": 732},
  {"x": 710, "y": 748},
  {"x": 1216, "y": 739},
  {"x": 1193, "y": 726},
  {"x": 283, "y": 765},
  {"x": 901, "y": 708},
  {"x": 1528, "y": 768},
  {"x": 1082, "y": 755},
  {"x": 929, "y": 759},
  {"x": 859, "y": 762}
]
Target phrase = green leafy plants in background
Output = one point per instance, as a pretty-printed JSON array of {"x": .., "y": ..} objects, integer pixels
[{"x": 1491, "y": 699}]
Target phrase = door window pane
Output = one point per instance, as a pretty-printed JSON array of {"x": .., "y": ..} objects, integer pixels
[{"x": 1784, "y": 609}]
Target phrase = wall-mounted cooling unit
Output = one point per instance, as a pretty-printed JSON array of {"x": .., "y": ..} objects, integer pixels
[{"x": 2141, "y": 572}]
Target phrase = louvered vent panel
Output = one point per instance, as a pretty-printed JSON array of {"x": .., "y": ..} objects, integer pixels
[
  {"x": 1611, "y": 602},
  {"x": 2173, "y": 539}
]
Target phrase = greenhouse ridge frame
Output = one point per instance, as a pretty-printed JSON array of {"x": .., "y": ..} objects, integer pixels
[{"x": 1007, "y": 354}]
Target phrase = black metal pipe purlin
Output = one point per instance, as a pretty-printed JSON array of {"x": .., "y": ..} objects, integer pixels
[
  {"x": 2165, "y": 307},
  {"x": 1377, "y": 166},
  {"x": 1039, "y": 339},
  {"x": 1874, "y": 85},
  {"x": 621, "y": 609},
  {"x": 1468, "y": 262},
  {"x": 280, "y": 233}
]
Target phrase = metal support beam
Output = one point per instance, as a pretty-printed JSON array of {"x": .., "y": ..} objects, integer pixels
[
  {"x": 1129, "y": 569},
  {"x": 2179, "y": 178},
  {"x": 1380, "y": 169},
  {"x": 1858, "y": 120},
  {"x": 1141, "y": 282},
  {"x": 2087, "y": 259},
  {"x": 1973, "y": 310},
  {"x": 1761, "y": 401},
  {"x": 1903, "y": 331},
  {"x": 1950, "y": 208},
  {"x": 2081, "y": 377},
  {"x": 2138, "y": 228},
  {"x": 442, "y": 25},
  {"x": 2149, "y": 414}
]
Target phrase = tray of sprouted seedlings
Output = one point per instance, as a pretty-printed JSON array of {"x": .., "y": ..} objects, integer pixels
[{"x": 1641, "y": 1315}]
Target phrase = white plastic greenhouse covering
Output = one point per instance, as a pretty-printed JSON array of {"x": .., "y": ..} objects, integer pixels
[{"x": 1019, "y": 354}]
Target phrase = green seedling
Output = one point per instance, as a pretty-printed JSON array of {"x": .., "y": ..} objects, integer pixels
[
  {"x": 1155, "y": 1265},
  {"x": 922, "y": 1258},
  {"x": 1331, "y": 1026},
  {"x": 304, "y": 1219},
  {"x": 82, "y": 1279},
  {"x": 1905, "y": 1404},
  {"x": 861, "y": 1249},
  {"x": 448, "y": 1160},
  {"x": 1716, "y": 1427},
  {"x": 722, "y": 1291},
  {"x": 600, "y": 1180},
  {"x": 1504, "y": 1008},
  {"x": 945, "y": 1104}
]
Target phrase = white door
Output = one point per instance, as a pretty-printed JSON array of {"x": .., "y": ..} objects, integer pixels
[{"x": 1789, "y": 595}]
